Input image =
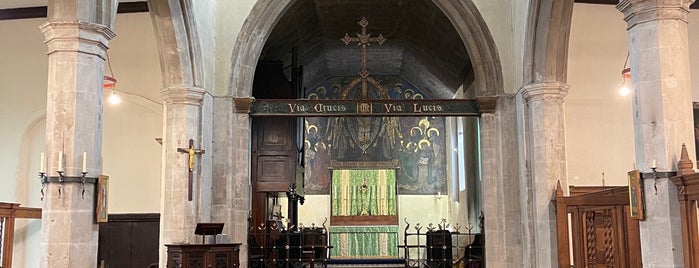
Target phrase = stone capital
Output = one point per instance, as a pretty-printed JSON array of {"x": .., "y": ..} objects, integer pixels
[
  {"x": 77, "y": 36},
  {"x": 243, "y": 105},
  {"x": 641, "y": 11},
  {"x": 183, "y": 95},
  {"x": 545, "y": 91}
]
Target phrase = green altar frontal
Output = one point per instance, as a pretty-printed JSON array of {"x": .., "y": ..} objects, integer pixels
[{"x": 353, "y": 242}]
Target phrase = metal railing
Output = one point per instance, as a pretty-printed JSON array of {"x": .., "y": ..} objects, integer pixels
[
  {"x": 441, "y": 246},
  {"x": 273, "y": 246}
]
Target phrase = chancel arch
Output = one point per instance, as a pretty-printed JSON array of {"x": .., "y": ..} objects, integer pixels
[{"x": 326, "y": 76}]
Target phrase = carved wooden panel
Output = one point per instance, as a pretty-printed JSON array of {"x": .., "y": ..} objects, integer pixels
[
  {"x": 274, "y": 134},
  {"x": 221, "y": 260},
  {"x": 195, "y": 260},
  {"x": 203, "y": 255},
  {"x": 274, "y": 173}
]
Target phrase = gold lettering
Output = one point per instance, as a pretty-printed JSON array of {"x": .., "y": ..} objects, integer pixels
[{"x": 417, "y": 108}]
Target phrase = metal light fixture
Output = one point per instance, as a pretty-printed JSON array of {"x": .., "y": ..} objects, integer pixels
[{"x": 625, "y": 73}]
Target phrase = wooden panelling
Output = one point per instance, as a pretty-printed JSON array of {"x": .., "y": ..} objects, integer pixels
[{"x": 129, "y": 240}]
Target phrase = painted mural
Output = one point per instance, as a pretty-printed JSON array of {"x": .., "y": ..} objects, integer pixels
[{"x": 417, "y": 143}]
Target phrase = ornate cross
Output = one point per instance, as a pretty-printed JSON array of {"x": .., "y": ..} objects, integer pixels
[
  {"x": 191, "y": 151},
  {"x": 363, "y": 39}
]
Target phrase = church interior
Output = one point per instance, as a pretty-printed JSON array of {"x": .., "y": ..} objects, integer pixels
[{"x": 349, "y": 133}]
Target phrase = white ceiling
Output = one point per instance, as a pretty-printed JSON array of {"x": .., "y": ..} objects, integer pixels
[{"x": 4, "y": 4}]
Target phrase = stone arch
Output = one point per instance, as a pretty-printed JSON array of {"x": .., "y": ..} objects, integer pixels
[
  {"x": 178, "y": 44},
  {"x": 547, "y": 35},
  {"x": 463, "y": 15}
]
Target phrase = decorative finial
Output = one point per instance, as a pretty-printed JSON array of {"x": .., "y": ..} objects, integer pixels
[
  {"x": 685, "y": 165},
  {"x": 559, "y": 190}
]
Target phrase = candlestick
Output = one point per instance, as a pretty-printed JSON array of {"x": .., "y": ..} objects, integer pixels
[
  {"x": 60, "y": 160},
  {"x": 42, "y": 166},
  {"x": 84, "y": 162}
]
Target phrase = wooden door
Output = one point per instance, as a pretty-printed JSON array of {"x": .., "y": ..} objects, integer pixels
[{"x": 129, "y": 240}]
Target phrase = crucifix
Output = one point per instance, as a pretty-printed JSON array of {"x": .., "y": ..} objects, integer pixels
[
  {"x": 363, "y": 39},
  {"x": 191, "y": 151}
]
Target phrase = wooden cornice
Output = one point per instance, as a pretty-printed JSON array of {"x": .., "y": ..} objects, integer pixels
[{"x": 40, "y": 12}]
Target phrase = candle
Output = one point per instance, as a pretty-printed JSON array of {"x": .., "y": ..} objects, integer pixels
[
  {"x": 60, "y": 160},
  {"x": 42, "y": 167},
  {"x": 654, "y": 164},
  {"x": 84, "y": 162}
]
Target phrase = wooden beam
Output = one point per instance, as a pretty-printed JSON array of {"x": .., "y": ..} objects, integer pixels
[
  {"x": 40, "y": 12},
  {"x": 28, "y": 213}
]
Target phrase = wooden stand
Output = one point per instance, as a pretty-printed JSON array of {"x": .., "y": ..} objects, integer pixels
[{"x": 204, "y": 255}]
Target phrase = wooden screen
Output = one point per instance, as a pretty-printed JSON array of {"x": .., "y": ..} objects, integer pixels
[
  {"x": 688, "y": 195},
  {"x": 603, "y": 234}
]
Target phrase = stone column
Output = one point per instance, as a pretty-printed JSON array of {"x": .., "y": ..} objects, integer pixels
[
  {"x": 178, "y": 215},
  {"x": 662, "y": 114},
  {"x": 76, "y": 52},
  {"x": 545, "y": 139},
  {"x": 231, "y": 201}
]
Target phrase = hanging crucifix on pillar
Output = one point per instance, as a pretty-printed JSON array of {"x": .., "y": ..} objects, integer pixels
[{"x": 191, "y": 151}]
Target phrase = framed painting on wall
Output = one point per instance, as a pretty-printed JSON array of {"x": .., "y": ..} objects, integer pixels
[
  {"x": 101, "y": 208},
  {"x": 636, "y": 205},
  {"x": 695, "y": 109}
]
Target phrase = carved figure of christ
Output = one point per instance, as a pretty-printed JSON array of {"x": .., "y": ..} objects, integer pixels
[{"x": 191, "y": 151}]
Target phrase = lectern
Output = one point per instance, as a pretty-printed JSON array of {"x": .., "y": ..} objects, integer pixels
[{"x": 204, "y": 255}]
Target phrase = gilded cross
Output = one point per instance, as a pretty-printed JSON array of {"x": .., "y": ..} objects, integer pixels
[
  {"x": 191, "y": 151},
  {"x": 363, "y": 39}
]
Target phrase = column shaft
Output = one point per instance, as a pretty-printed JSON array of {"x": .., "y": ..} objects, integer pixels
[
  {"x": 178, "y": 215},
  {"x": 547, "y": 165},
  {"x": 662, "y": 114},
  {"x": 231, "y": 201},
  {"x": 76, "y": 52}
]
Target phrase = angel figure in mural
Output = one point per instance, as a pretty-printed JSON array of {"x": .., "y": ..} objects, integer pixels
[
  {"x": 337, "y": 137},
  {"x": 391, "y": 133}
]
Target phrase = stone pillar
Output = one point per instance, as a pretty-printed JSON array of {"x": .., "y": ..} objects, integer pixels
[
  {"x": 231, "y": 201},
  {"x": 662, "y": 114},
  {"x": 76, "y": 54},
  {"x": 545, "y": 141},
  {"x": 178, "y": 216}
]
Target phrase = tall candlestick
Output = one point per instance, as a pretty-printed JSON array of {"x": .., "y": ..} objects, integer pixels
[
  {"x": 42, "y": 167},
  {"x": 60, "y": 161},
  {"x": 84, "y": 162}
]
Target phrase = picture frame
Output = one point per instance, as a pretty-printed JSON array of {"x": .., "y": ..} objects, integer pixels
[
  {"x": 636, "y": 200},
  {"x": 102, "y": 191}
]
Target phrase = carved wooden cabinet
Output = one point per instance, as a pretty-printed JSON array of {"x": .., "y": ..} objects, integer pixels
[{"x": 203, "y": 255}]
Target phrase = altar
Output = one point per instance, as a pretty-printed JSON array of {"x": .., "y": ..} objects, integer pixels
[{"x": 364, "y": 220}]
